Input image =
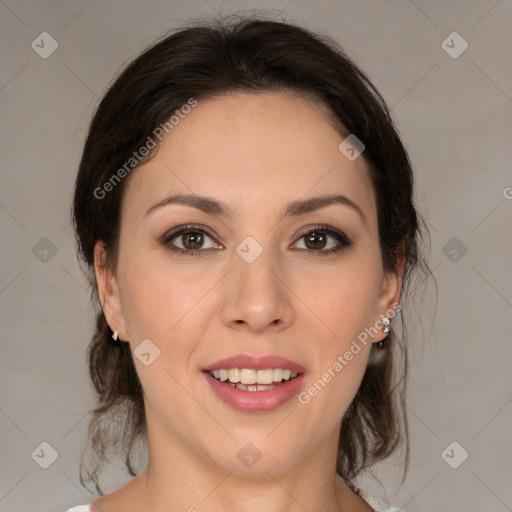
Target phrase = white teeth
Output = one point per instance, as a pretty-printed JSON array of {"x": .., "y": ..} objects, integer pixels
[
  {"x": 247, "y": 377},
  {"x": 252, "y": 387},
  {"x": 278, "y": 374},
  {"x": 265, "y": 376},
  {"x": 234, "y": 375}
]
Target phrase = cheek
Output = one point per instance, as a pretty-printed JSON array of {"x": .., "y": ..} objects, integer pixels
[
  {"x": 344, "y": 297},
  {"x": 163, "y": 304},
  {"x": 158, "y": 299},
  {"x": 339, "y": 361},
  {"x": 344, "y": 304}
]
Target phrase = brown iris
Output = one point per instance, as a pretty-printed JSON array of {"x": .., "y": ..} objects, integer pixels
[
  {"x": 192, "y": 240},
  {"x": 315, "y": 240}
]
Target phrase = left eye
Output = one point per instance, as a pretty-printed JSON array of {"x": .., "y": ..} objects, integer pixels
[{"x": 317, "y": 240}]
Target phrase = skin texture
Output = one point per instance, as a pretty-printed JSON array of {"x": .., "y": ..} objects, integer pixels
[{"x": 256, "y": 153}]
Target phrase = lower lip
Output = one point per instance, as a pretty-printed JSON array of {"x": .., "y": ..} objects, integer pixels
[{"x": 256, "y": 401}]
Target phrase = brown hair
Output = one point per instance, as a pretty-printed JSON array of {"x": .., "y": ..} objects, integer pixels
[{"x": 204, "y": 60}]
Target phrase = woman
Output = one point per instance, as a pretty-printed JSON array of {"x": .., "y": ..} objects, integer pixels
[{"x": 244, "y": 206}]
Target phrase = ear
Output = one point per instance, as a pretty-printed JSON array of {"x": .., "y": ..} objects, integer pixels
[
  {"x": 108, "y": 292},
  {"x": 389, "y": 298}
]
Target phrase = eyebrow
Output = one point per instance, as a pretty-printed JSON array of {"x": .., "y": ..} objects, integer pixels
[{"x": 293, "y": 209}]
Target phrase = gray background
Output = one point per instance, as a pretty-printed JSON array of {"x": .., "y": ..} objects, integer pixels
[{"x": 455, "y": 117}]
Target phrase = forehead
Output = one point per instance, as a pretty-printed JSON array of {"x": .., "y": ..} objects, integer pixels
[{"x": 252, "y": 149}]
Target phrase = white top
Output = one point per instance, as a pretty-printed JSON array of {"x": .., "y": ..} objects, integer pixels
[{"x": 377, "y": 504}]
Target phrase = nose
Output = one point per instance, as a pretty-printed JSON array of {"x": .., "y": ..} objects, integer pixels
[{"x": 257, "y": 297}]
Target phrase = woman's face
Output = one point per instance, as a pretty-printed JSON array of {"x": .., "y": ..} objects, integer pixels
[{"x": 262, "y": 288}]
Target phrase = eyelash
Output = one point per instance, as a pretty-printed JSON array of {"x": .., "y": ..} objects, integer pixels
[{"x": 337, "y": 235}]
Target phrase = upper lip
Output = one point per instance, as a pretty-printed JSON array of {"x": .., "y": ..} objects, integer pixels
[{"x": 255, "y": 363}]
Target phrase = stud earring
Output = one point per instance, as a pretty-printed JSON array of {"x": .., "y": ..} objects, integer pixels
[
  {"x": 386, "y": 322},
  {"x": 115, "y": 335}
]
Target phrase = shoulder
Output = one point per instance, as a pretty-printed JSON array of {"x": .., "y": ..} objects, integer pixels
[{"x": 377, "y": 504}]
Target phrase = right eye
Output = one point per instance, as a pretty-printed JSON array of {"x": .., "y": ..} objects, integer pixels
[{"x": 188, "y": 240}]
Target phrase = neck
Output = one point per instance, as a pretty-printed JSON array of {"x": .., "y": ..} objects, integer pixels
[{"x": 178, "y": 478}]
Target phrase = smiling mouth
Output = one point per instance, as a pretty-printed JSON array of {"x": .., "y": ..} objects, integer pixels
[{"x": 247, "y": 379}]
